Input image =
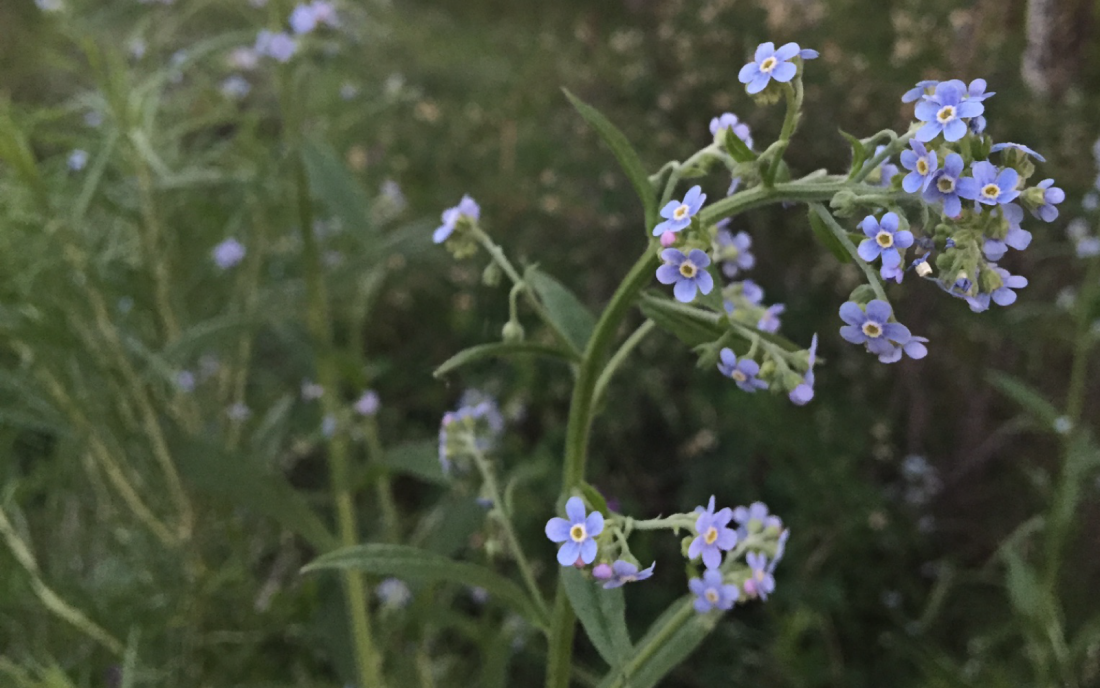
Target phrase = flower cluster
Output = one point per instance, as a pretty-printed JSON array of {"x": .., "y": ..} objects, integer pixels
[
  {"x": 473, "y": 427},
  {"x": 454, "y": 231},
  {"x": 738, "y": 563}
]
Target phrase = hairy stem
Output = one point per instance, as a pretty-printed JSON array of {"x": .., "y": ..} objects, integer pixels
[
  {"x": 620, "y": 356},
  {"x": 842, "y": 237}
]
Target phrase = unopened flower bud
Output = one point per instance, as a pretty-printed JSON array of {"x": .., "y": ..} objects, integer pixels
[
  {"x": 512, "y": 332},
  {"x": 668, "y": 239},
  {"x": 990, "y": 281},
  {"x": 602, "y": 571},
  {"x": 490, "y": 277},
  {"x": 923, "y": 268}
]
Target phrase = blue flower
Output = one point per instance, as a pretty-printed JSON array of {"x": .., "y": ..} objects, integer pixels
[
  {"x": 185, "y": 380},
  {"x": 678, "y": 214},
  {"x": 919, "y": 91},
  {"x": 998, "y": 147},
  {"x": 623, "y": 572},
  {"x": 466, "y": 208},
  {"x": 711, "y": 592},
  {"x": 228, "y": 253},
  {"x": 872, "y": 327},
  {"x": 780, "y": 549},
  {"x": 1002, "y": 295},
  {"x": 77, "y": 160},
  {"x": 728, "y": 120},
  {"x": 688, "y": 272},
  {"x": 713, "y": 537},
  {"x": 393, "y": 593},
  {"x": 368, "y": 404},
  {"x": 278, "y": 46},
  {"x": 734, "y": 250},
  {"x": 769, "y": 63},
  {"x": 884, "y": 240},
  {"x": 944, "y": 112},
  {"x": 914, "y": 348},
  {"x": 804, "y": 392},
  {"x": 922, "y": 163},
  {"x": 887, "y": 170},
  {"x": 577, "y": 533},
  {"x": 1016, "y": 237},
  {"x": 988, "y": 186},
  {"x": 943, "y": 186},
  {"x": 769, "y": 321},
  {"x": 761, "y": 582},
  {"x": 976, "y": 90},
  {"x": 1052, "y": 195},
  {"x": 754, "y": 518},
  {"x": 303, "y": 19},
  {"x": 743, "y": 371},
  {"x": 236, "y": 87}
]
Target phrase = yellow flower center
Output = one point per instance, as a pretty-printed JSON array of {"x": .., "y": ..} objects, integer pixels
[
  {"x": 681, "y": 212},
  {"x": 946, "y": 114},
  {"x": 884, "y": 239},
  {"x": 872, "y": 329},
  {"x": 738, "y": 375},
  {"x": 991, "y": 191},
  {"x": 768, "y": 65},
  {"x": 711, "y": 535},
  {"x": 759, "y": 575},
  {"x": 946, "y": 185},
  {"x": 688, "y": 269},
  {"x": 922, "y": 167},
  {"x": 578, "y": 533},
  {"x": 711, "y": 595}
]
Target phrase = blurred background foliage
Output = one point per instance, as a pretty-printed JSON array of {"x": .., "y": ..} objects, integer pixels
[{"x": 915, "y": 492}]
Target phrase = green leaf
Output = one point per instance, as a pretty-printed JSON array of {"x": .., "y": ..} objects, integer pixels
[
  {"x": 418, "y": 564},
  {"x": 737, "y": 148},
  {"x": 624, "y": 153},
  {"x": 1024, "y": 590},
  {"x": 669, "y": 641},
  {"x": 499, "y": 350},
  {"x": 601, "y": 612},
  {"x": 692, "y": 331},
  {"x": 565, "y": 309},
  {"x": 859, "y": 153},
  {"x": 244, "y": 481},
  {"x": 594, "y": 498},
  {"x": 828, "y": 239},
  {"x": 16, "y": 151},
  {"x": 332, "y": 182},
  {"x": 418, "y": 459},
  {"x": 1025, "y": 396}
]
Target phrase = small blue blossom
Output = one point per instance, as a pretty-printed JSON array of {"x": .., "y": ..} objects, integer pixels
[
  {"x": 623, "y": 572},
  {"x": 711, "y": 592},
  {"x": 328, "y": 426},
  {"x": 803, "y": 393},
  {"x": 393, "y": 593},
  {"x": 943, "y": 186},
  {"x": 743, "y": 371},
  {"x": 734, "y": 250},
  {"x": 872, "y": 327},
  {"x": 769, "y": 320},
  {"x": 1003, "y": 295},
  {"x": 998, "y": 147},
  {"x": 238, "y": 412},
  {"x": 769, "y": 63},
  {"x": 976, "y": 90},
  {"x": 577, "y": 533},
  {"x": 368, "y": 404},
  {"x": 236, "y": 87},
  {"x": 466, "y": 208},
  {"x": 1016, "y": 237},
  {"x": 311, "y": 391},
  {"x": 886, "y": 169},
  {"x": 977, "y": 125},
  {"x": 921, "y": 162},
  {"x": 754, "y": 518},
  {"x": 914, "y": 348},
  {"x": 302, "y": 19},
  {"x": 688, "y": 272},
  {"x": 919, "y": 91},
  {"x": 678, "y": 214},
  {"x": 989, "y": 186},
  {"x": 712, "y": 535},
  {"x": 883, "y": 240},
  {"x": 780, "y": 549},
  {"x": 728, "y": 120},
  {"x": 185, "y": 380},
  {"x": 477, "y": 420},
  {"x": 761, "y": 583},
  {"x": 278, "y": 46},
  {"x": 1052, "y": 195},
  {"x": 228, "y": 253},
  {"x": 944, "y": 111},
  {"x": 78, "y": 159}
]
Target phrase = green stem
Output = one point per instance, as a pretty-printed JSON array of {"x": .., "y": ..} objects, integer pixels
[
  {"x": 497, "y": 253},
  {"x": 793, "y": 94},
  {"x": 383, "y": 486},
  {"x": 366, "y": 659},
  {"x": 620, "y": 356},
  {"x": 895, "y": 145},
  {"x": 684, "y": 614},
  {"x": 487, "y": 474},
  {"x": 1075, "y": 398},
  {"x": 842, "y": 237}
]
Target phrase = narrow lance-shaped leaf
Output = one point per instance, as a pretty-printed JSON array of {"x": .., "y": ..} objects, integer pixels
[
  {"x": 565, "y": 309},
  {"x": 499, "y": 350},
  {"x": 859, "y": 153},
  {"x": 601, "y": 612},
  {"x": 413, "y": 563},
  {"x": 668, "y": 642},
  {"x": 334, "y": 184},
  {"x": 624, "y": 153},
  {"x": 828, "y": 239}
]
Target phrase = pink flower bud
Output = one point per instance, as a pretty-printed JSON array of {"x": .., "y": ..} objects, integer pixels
[
  {"x": 602, "y": 571},
  {"x": 579, "y": 563},
  {"x": 668, "y": 239}
]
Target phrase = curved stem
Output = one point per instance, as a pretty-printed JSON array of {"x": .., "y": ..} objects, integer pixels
[
  {"x": 486, "y": 470},
  {"x": 684, "y": 614},
  {"x": 842, "y": 237},
  {"x": 793, "y": 94},
  {"x": 620, "y": 356},
  {"x": 891, "y": 148}
]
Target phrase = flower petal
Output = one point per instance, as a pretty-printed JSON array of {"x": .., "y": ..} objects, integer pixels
[
  {"x": 869, "y": 250},
  {"x": 787, "y": 51},
  {"x": 568, "y": 553},
  {"x": 667, "y": 274},
  {"x": 758, "y": 83},
  {"x": 764, "y": 51},
  {"x": 879, "y": 311},
  {"x": 593, "y": 525},
  {"x": 557, "y": 529},
  {"x": 784, "y": 72},
  {"x": 704, "y": 281},
  {"x": 574, "y": 509},
  {"x": 852, "y": 314},
  {"x": 684, "y": 291},
  {"x": 588, "y": 551}
]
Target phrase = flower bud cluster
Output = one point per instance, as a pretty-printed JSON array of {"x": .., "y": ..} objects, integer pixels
[{"x": 474, "y": 426}]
